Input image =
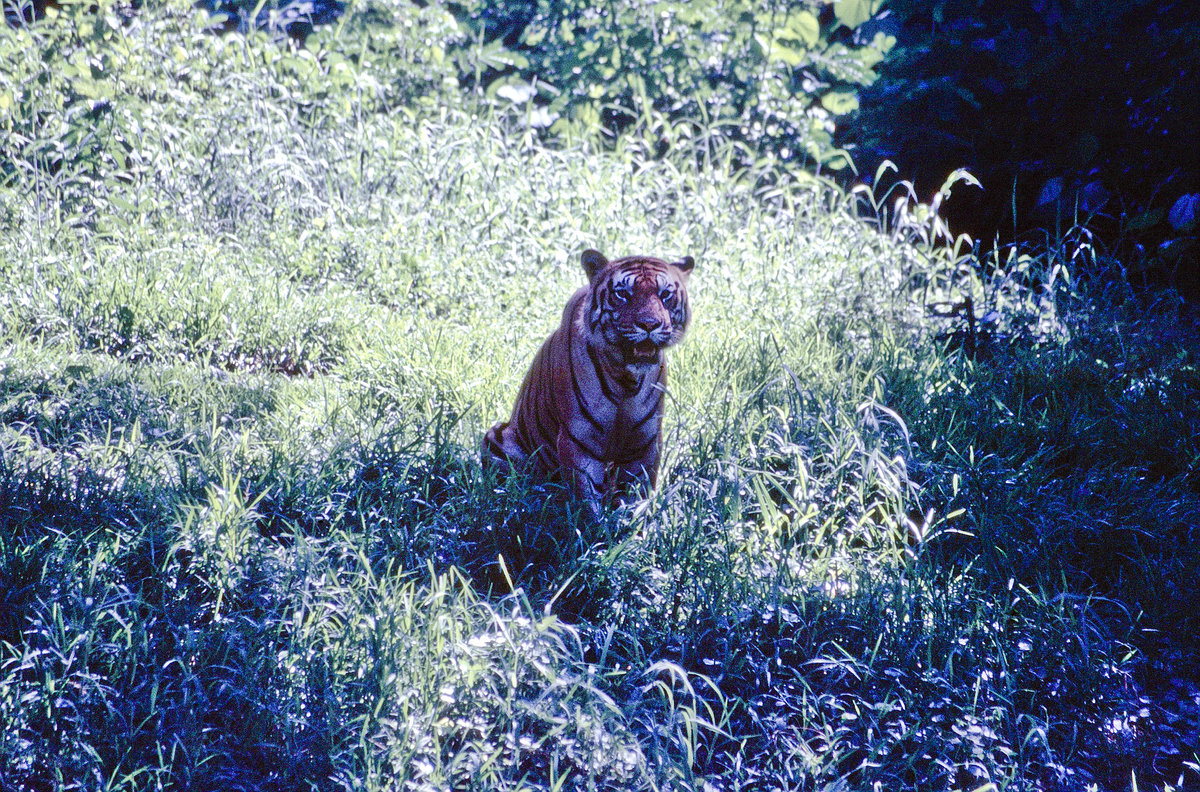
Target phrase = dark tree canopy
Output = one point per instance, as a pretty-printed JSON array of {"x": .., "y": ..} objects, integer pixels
[{"x": 1066, "y": 112}]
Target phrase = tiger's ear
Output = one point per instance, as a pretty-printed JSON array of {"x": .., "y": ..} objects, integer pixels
[
  {"x": 593, "y": 262},
  {"x": 686, "y": 264}
]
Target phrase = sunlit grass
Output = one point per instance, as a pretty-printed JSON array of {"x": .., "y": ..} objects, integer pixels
[{"x": 246, "y": 542}]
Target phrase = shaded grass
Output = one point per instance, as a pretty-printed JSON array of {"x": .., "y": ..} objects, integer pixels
[
  {"x": 1081, "y": 455},
  {"x": 247, "y": 543}
]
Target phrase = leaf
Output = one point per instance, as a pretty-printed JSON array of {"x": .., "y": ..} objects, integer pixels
[
  {"x": 959, "y": 175},
  {"x": 805, "y": 27},
  {"x": 1184, "y": 212},
  {"x": 126, "y": 206},
  {"x": 1051, "y": 191},
  {"x": 496, "y": 56},
  {"x": 512, "y": 88},
  {"x": 840, "y": 102},
  {"x": 1146, "y": 220},
  {"x": 586, "y": 114},
  {"x": 837, "y": 160},
  {"x": 789, "y": 55},
  {"x": 534, "y": 34},
  {"x": 1086, "y": 147},
  {"x": 853, "y": 13},
  {"x": 884, "y": 167}
]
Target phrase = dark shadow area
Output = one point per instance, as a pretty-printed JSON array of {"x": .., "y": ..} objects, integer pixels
[{"x": 1068, "y": 113}]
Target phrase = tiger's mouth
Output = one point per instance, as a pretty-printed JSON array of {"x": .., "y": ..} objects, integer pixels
[{"x": 645, "y": 351}]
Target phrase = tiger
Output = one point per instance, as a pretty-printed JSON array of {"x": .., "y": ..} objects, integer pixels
[{"x": 590, "y": 408}]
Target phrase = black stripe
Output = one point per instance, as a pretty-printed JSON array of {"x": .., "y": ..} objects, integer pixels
[
  {"x": 649, "y": 415},
  {"x": 543, "y": 387},
  {"x": 583, "y": 404},
  {"x": 545, "y": 444},
  {"x": 579, "y": 397},
  {"x": 596, "y": 318},
  {"x": 529, "y": 421},
  {"x": 535, "y": 398},
  {"x": 582, "y": 444},
  {"x": 496, "y": 449},
  {"x": 528, "y": 441},
  {"x": 638, "y": 452},
  {"x": 596, "y": 303},
  {"x": 522, "y": 438},
  {"x": 547, "y": 438},
  {"x": 679, "y": 315},
  {"x": 608, "y": 394}
]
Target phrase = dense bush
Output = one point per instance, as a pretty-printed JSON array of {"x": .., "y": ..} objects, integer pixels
[
  {"x": 100, "y": 104},
  {"x": 774, "y": 76},
  {"x": 773, "y": 79},
  {"x": 1066, "y": 111}
]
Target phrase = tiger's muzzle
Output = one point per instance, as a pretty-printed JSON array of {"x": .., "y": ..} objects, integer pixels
[{"x": 642, "y": 344}]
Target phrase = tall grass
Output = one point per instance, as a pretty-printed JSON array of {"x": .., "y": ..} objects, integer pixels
[{"x": 246, "y": 542}]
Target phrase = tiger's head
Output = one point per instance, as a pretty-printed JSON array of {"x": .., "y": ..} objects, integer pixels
[{"x": 639, "y": 305}]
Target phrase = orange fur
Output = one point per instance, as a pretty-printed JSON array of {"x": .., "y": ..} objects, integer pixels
[{"x": 591, "y": 405}]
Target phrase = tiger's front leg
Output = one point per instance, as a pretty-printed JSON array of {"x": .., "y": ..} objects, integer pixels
[
  {"x": 628, "y": 477},
  {"x": 584, "y": 472}
]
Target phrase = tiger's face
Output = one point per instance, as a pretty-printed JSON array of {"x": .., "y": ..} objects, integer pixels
[{"x": 639, "y": 305}]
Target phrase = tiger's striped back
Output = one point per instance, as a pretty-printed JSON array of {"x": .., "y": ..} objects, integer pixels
[{"x": 590, "y": 407}]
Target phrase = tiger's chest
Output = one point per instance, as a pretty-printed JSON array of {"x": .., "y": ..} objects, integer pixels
[{"x": 615, "y": 415}]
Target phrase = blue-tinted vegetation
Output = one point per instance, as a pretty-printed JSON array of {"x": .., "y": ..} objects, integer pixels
[{"x": 928, "y": 509}]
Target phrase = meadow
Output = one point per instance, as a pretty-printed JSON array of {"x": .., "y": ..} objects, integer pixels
[{"x": 926, "y": 520}]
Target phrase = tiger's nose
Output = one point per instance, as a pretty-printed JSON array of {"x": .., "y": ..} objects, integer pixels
[{"x": 649, "y": 324}]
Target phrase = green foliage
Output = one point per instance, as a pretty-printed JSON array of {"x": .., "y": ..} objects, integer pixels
[
  {"x": 913, "y": 531},
  {"x": 775, "y": 77},
  {"x": 96, "y": 107}
]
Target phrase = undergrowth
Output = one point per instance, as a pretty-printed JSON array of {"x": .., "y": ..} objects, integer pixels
[{"x": 925, "y": 521}]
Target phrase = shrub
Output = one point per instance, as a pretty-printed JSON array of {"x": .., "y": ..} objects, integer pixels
[
  {"x": 99, "y": 108},
  {"x": 775, "y": 77}
]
